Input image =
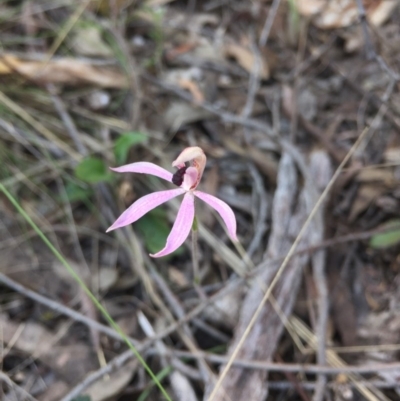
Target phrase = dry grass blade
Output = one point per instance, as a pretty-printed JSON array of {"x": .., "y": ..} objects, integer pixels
[
  {"x": 260, "y": 345},
  {"x": 19, "y": 111},
  {"x": 370, "y": 394},
  {"x": 67, "y": 28},
  {"x": 285, "y": 263},
  {"x": 289, "y": 215}
]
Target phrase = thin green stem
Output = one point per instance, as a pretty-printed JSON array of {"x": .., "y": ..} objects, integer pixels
[
  {"x": 72, "y": 272},
  {"x": 160, "y": 375},
  {"x": 195, "y": 252}
]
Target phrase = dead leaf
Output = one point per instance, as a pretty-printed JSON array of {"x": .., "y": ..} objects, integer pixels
[
  {"x": 267, "y": 164},
  {"x": 309, "y": 8},
  {"x": 331, "y": 14},
  {"x": 378, "y": 175},
  {"x": 112, "y": 385},
  {"x": 381, "y": 328},
  {"x": 66, "y": 71},
  {"x": 306, "y": 102},
  {"x": 182, "y": 388},
  {"x": 366, "y": 194},
  {"x": 288, "y": 100},
  {"x": 208, "y": 51},
  {"x": 87, "y": 41},
  {"x": 392, "y": 155},
  {"x": 180, "y": 113},
  {"x": 225, "y": 310},
  {"x": 175, "y": 52},
  {"x": 343, "y": 308},
  {"x": 55, "y": 392},
  {"x": 380, "y": 11},
  {"x": 177, "y": 278},
  {"x": 194, "y": 89},
  {"x": 246, "y": 59},
  {"x": 175, "y": 75},
  {"x": 107, "y": 278},
  {"x": 31, "y": 338},
  {"x": 71, "y": 362}
]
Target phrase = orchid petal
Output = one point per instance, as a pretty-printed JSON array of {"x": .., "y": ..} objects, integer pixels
[
  {"x": 144, "y": 205},
  {"x": 145, "y": 168},
  {"x": 181, "y": 228},
  {"x": 190, "y": 178},
  {"x": 223, "y": 210}
]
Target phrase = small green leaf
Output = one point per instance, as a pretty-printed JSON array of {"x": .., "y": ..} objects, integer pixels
[
  {"x": 92, "y": 170},
  {"x": 124, "y": 143},
  {"x": 155, "y": 229},
  {"x": 388, "y": 238},
  {"x": 76, "y": 192},
  {"x": 385, "y": 240}
]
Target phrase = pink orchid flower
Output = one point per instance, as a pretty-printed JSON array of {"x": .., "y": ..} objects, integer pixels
[{"x": 187, "y": 179}]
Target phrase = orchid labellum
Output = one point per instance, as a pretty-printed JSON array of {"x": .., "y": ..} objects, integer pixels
[{"x": 187, "y": 178}]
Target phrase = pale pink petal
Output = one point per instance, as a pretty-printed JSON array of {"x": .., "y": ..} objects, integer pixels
[
  {"x": 182, "y": 226},
  {"x": 190, "y": 178},
  {"x": 223, "y": 209},
  {"x": 144, "y": 205},
  {"x": 144, "y": 168},
  {"x": 196, "y": 156}
]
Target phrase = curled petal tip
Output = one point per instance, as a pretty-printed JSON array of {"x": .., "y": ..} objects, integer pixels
[{"x": 189, "y": 154}]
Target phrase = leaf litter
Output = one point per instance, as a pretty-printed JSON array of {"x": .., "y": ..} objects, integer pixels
[{"x": 143, "y": 81}]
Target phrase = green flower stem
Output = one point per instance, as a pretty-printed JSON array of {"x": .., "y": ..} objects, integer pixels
[
  {"x": 195, "y": 252},
  {"x": 71, "y": 271}
]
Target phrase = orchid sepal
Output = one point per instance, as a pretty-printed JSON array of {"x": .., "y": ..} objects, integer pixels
[
  {"x": 181, "y": 228},
  {"x": 144, "y": 168},
  {"x": 223, "y": 209},
  {"x": 143, "y": 205}
]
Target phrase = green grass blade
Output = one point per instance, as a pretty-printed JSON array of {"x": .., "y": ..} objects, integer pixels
[
  {"x": 160, "y": 376},
  {"x": 71, "y": 271}
]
